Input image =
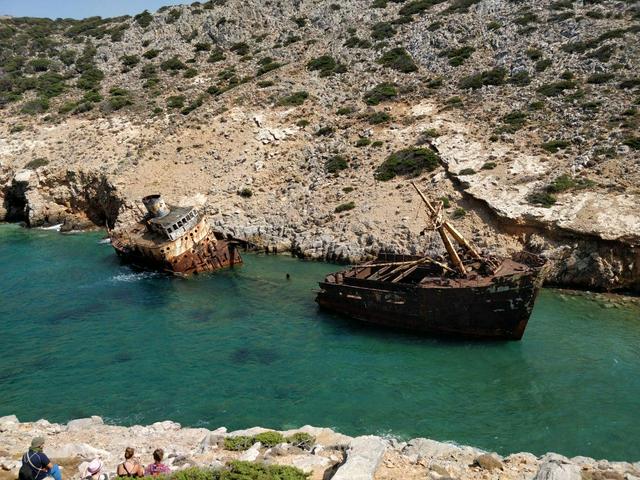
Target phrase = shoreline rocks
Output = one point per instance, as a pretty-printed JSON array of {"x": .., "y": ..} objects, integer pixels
[{"x": 334, "y": 455}]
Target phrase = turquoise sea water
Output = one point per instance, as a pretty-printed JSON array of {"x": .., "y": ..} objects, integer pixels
[{"x": 81, "y": 334}]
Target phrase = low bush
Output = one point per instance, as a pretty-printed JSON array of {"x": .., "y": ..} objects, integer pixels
[
  {"x": 520, "y": 78},
  {"x": 603, "y": 53},
  {"x": 130, "y": 60},
  {"x": 542, "y": 65},
  {"x": 453, "y": 102},
  {"x": 512, "y": 122},
  {"x": 542, "y": 198},
  {"x": 37, "y": 163},
  {"x": 326, "y": 65},
  {"x": 239, "y": 443},
  {"x": 265, "y": 83},
  {"x": 247, "y": 193},
  {"x": 325, "y": 131},
  {"x": 303, "y": 123},
  {"x": 345, "y": 110},
  {"x": 190, "y": 73},
  {"x": 118, "y": 99},
  {"x": 176, "y": 101},
  {"x": 457, "y": 56},
  {"x": 240, "y": 48},
  {"x": 489, "y": 166},
  {"x": 362, "y": 142},
  {"x": 151, "y": 54},
  {"x": 301, "y": 439},
  {"x": 534, "y": 53},
  {"x": 197, "y": 103},
  {"x": 410, "y": 161},
  {"x": 269, "y": 439},
  {"x": 565, "y": 182},
  {"x": 202, "y": 47},
  {"x": 382, "y": 30},
  {"x": 143, "y": 19},
  {"x": 299, "y": 21},
  {"x": 554, "y": 146},
  {"x": 293, "y": 100},
  {"x": 632, "y": 142},
  {"x": 599, "y": 78},
  {"x": 173, "y": 15},
  {"x": 216, "y": 56},
  {"x": 460, "y": 6},
  {"x": 267, "y": 65},
  {"x": 378, "y": 118},
  {"x": 380, "y": 93},
  {"x": 417, "y": 6},
  {"x": 238, "y": 470},
  {"x": 345, "y": 207},
  {"x": 335, "y": 164},
  {"x": 35, "y": 107},
  {"x": 398, "y": 59},
  {"x": 49, "y": 85},
  {"x": 92, "y": 96},
  {"x": 495, "y": 76},
  {"x": 467, "y": 171},
  {"x": 629, "y": 83},
  {"x": 39, "y": 65},
  {"x": 458, "y": 213},
  {"x": 355, "y": 42},
  {"x": 556, "y": 88},
  {"x": 173, "y": 64}
]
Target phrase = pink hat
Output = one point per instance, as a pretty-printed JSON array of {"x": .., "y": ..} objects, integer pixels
[{"x": 93, "y": 468}]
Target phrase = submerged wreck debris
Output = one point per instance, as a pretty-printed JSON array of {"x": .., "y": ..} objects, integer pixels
[
  {"x": 468, "y": 294},
  {"x": 174, "y": 240}
]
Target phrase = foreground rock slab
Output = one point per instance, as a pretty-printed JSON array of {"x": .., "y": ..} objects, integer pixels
[{"x": 334, "y": 455}]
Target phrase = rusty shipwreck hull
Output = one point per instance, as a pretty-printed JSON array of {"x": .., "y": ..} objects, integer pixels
[
  {"x": 206, "y": 256},
  {"x": 491, "y": 307}
]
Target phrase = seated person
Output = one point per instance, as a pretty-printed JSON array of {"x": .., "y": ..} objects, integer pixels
[
  {"x": 39, "y": 464},
  {"x": 131, "y": 466},
  {"x": 93, "y": 471},
  {"x": 157, "y": 467}
]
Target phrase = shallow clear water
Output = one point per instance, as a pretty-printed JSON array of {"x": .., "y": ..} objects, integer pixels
[{"x": 83, "y": 335}]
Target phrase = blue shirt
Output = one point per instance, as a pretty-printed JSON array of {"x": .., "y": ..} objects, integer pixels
[{"x": 38, "y": 462}]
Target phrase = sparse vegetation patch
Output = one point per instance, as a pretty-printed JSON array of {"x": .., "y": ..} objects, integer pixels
[{"x": 410, "y": 162}]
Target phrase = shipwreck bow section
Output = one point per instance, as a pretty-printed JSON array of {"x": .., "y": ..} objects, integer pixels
[
  {"x": 468, "y": 294},
  {"x": 175, "y": 240}
]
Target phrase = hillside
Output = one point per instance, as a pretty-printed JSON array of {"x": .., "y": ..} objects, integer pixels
[{"x": 298, "y": 124}]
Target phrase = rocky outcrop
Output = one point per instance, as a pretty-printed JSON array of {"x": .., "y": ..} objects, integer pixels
[
  {"x": 76, "y": 199},
  {"x": 334, "y": 456}
]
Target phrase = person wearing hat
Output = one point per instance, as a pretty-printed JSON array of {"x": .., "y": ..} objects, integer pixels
[
  {"x": 40, "y": 465},
  {"x": 93, "y": 471}
]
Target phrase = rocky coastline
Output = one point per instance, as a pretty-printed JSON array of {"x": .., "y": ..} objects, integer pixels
[
  {"x": 86, "y": 199},
  {"x": 332, "y": 455}
]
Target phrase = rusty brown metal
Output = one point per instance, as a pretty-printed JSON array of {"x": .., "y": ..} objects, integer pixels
[
  {"x": 195, "y": 250},
  {"x": 421, "y": 299}
]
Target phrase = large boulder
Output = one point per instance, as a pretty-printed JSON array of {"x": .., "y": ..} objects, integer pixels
[
  {"x": 363, "y": 457},
  {"x": 8, "y": 422},
  {"x": 424, "y": 449},
  {"x": 84, "y": 423},
  {"x": 72, "y": 450},
  {"x": 558, "y": 471}
]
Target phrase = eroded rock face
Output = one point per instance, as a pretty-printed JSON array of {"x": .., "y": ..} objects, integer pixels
[{"x": 78, "y": 200}]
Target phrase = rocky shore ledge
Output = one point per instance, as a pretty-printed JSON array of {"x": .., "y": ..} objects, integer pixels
[{"x": 330, "y": 456}]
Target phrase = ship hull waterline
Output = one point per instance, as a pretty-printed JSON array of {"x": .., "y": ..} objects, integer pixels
[{"x": 497, "y": 311}]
